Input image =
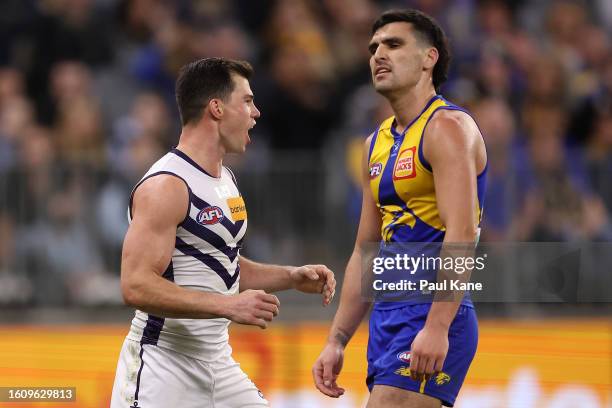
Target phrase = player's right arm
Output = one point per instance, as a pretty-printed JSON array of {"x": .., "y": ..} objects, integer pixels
[
  {"x": 158, "y": 207},
  {"x": 352, "y": 307}
]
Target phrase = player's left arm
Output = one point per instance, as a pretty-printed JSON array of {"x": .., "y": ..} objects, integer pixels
[
  {"x": 274, "y": 278},
  {"x": 455, "y": 150}
]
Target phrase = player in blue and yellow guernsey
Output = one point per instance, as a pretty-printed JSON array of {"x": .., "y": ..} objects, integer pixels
[{"x": 424, "y": 173}]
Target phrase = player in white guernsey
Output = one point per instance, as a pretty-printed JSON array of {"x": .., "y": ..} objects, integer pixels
[{"x": 181, "y": 265}]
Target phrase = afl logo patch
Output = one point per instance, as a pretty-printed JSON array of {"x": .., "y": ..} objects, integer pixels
[
  {"x": 210, "y": 215},
  {"x": 375, "y": 170},
  {"x": 404, "y": 167},
  {"x": 404, "y": 356}
]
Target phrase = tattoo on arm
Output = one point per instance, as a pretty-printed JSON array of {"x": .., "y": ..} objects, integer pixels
[{"x": 342, "y": 337}]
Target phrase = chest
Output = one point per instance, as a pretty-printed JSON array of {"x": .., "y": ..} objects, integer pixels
[
  {"x": 396, "y": 170},
  {"x": 216, "y": 210}
]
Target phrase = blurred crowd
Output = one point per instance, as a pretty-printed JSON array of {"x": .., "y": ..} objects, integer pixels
[{"x": 87, "y": 105}]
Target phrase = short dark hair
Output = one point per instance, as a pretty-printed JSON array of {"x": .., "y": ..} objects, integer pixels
[
  {"x": 200, "y": 81},
  {"x": 429, "y": 31}
]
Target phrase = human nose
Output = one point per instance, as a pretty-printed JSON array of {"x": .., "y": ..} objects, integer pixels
[
  {"x": 380, "y": 54},
  {"x": 255, "y": 113}
]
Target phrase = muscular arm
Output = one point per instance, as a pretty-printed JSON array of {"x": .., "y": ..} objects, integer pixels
[
  {"x": 455, "y": 150},
  {"x": 159, "y": 205},
  {"x": 271, "y": 278},
  {"x": 352, "y": 308}
]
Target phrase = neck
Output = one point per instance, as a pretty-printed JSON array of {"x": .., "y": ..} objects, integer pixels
[
  {"x": 202, "y": 144},
  {"x": 408, "y": 104}
]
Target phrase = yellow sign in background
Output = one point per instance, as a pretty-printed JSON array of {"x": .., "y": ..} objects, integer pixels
[{"x": 531, "y": 364}]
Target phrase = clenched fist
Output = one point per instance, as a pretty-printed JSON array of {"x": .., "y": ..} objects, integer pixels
[{"x": 253, "y": 307}]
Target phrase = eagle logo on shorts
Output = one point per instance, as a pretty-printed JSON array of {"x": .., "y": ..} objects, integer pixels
[
  {"x": 442, "y": 378},
  {"x": 404, "y": 371}
]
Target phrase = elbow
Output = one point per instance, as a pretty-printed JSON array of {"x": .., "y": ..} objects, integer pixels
[
  {"x": 462, "y": 234},
  {"x": 131, "y": 294},
  {"x": 471, "y": 234}
]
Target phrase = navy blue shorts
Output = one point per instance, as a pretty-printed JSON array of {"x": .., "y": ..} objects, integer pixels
[{"x": 391, "y": 335}]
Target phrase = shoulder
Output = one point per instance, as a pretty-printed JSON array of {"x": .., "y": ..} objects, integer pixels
[
  {"x": 165, "y": 182},
  {"x": 368, "y": 145},
  {"x": 164, "y": 197},
  {"x": 383, "y": 128},
  {"x": 368, "y": 141},
  {"x": 452, "y": 129}
]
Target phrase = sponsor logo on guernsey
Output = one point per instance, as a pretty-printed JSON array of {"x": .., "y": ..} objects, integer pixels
[
  {"x": 404, "y": 166},
  {"x": 375, "y": 170},
  {"x": 237, "y": 208},
  {"x": 404, "y": 356},
  {"x": 210, "y": 215}
]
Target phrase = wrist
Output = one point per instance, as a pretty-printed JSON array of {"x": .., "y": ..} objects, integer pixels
[
  {"x": 338, "y": 339},
  {"x": 335, "y": 344},
  {"x": 290, "y": 272},
  {"x": 437, "y": 325},
  {"x": 223, "y": 306}
]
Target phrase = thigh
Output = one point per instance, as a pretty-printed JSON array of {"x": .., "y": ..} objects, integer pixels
[
  {"x": 149, "y": 376},
  {"x": 384, "y": 396},
  {"x": 233, "y": 388}
]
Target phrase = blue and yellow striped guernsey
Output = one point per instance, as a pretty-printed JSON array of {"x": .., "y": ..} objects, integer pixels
[{"x": 402, "y": 181}]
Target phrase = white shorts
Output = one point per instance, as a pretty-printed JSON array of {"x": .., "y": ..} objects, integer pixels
[{"x": 149, "y": 376}]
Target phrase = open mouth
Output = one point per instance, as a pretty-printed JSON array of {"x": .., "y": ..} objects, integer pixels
[{"x": 381, "y": 70}]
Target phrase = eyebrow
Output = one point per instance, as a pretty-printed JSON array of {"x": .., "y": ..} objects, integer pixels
[{"x": 389, "y": 40}]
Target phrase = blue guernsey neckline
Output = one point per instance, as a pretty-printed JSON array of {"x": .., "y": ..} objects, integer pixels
[{"x": 397, "y": 135}]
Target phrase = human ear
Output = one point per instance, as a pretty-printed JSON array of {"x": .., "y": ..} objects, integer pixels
[
  {"x": 431, "y": 57},
  {"x": 215, "y": 106}
]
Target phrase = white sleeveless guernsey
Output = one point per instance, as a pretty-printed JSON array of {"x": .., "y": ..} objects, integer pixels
[{"x": 205, "y": 258}]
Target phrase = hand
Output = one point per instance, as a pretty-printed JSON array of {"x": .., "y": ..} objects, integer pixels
[
  {"x": 327, "y": 368},
  {"x": 314, "y": 279},
  {"x": 428, "y": 352},
  {"x": 254, "y": 307}
]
